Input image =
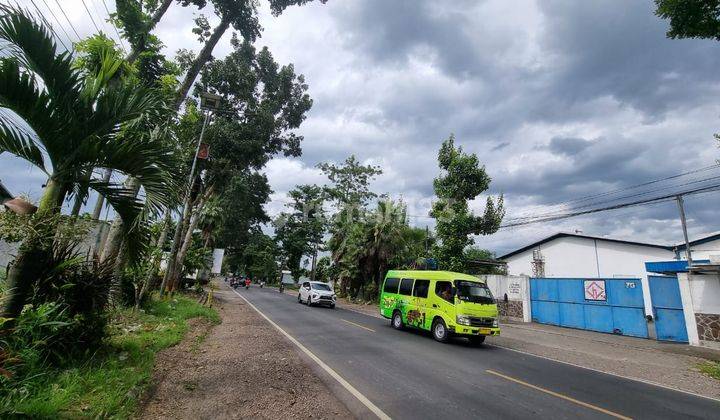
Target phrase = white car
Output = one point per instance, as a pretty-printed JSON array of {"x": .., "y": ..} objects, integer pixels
[{"x": 316, "y": 293}]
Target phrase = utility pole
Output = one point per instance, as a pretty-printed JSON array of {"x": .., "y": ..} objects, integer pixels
[
  {"x": 208, "y": 102},
  {"x": 681, "y": 207}
]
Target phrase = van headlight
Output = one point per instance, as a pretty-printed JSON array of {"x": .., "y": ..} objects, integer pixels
[
  {"x": 314, "y": 296},
  {"x": 462, "y": 319},
  {"x": 495, "y": 323}
]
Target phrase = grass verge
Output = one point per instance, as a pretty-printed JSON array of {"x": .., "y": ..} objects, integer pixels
[
  {"x": 110, "y": 382},
  {"x": 711, "y": 369}
]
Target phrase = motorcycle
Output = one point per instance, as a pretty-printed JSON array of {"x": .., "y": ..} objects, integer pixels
[
  {"x": 262, "y": 284},
  {"x": 281, "y": 288}
]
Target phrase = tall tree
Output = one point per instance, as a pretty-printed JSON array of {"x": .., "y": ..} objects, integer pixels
[
  {"x": 691, "y": 18},
  {"x": 75, "y": 124},
  {"x": 350, "y": 181},
  {"x": 301, "y": 230},
  {"x": 262, "y": 104},
  {"x": 242, "y": 16},
  {"x": 462, "y": 180}
]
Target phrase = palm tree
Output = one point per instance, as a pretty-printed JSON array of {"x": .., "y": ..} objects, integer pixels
[{"x": 68, "y": 124}]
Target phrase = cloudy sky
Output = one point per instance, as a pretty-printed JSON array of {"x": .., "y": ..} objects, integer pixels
[{"x": 558, "y": 98}]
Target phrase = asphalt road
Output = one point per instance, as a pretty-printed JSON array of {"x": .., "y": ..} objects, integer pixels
[{"x": 408, "y": 375}]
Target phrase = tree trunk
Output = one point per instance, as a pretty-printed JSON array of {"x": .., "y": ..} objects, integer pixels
[
  {"x": 115, "y": 236},
  {"x": 33, "y": 252},
  {"x": 101, "y": 199},
  {"x": 185, "y": 246},
  {"x": 179, "y": 230},
  {"x": 200, "y": 61},
  {"x": 156, "y": 261},
  {"x": 162, "y": 8}
]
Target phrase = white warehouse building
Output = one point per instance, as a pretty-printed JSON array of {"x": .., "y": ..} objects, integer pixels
[{"x": 576, "y": 255}]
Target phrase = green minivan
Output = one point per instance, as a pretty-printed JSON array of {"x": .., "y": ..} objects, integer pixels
[{"x": 443, "y": 302}]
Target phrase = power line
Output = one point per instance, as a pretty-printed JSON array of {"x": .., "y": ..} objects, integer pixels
[
  {"x": 66, "y": 18},
  {"x": 619, "y": 198},
  {"x": 50, "y": 26},
  {"x": 652, "y": 200},
  {"x": 114, "y": 27},
  {"x": 592, "y": 196},
  {"x": 90, "y": 15}
]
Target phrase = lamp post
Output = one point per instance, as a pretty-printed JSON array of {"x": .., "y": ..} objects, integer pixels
[{"x": 208, "y": 102}]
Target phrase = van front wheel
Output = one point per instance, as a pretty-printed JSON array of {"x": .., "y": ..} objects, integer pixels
[
  {"x": 397, "y": 320},
  {"x": 440, "y": 331}
]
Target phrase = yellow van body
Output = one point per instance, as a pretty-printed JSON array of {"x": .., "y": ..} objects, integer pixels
[{"x": 443, "y": 302}]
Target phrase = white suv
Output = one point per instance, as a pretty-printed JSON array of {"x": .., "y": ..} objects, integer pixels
[{"x": 316, "y": 293}]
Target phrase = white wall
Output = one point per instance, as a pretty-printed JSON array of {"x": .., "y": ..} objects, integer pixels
[
  {"x": 703, "y": 251},
  {"x": 586, "y": 257},
  {"x": 705, "y": 293},
  {"x": 516, "y": 287}
]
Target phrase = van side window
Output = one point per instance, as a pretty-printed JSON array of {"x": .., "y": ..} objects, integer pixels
[
  {"x": 421, "y": 288},
  {"x": 406, "y": 287},
  {"x": 444, "y": 290},
  {"x": 306, "y": 284},
  {"x": 391, "y": 285}
]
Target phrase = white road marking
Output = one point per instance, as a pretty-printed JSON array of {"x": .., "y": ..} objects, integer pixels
[{"x": 351, "y": 389}]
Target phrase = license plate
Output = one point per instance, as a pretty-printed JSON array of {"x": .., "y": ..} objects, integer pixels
[{"x": 484, "y": 331}]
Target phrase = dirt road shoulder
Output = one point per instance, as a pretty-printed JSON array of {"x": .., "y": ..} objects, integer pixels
[{"x": 241, "y": 368}]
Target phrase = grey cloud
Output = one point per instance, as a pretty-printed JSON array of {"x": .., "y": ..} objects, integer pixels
[{"x": 568, "y": 146}]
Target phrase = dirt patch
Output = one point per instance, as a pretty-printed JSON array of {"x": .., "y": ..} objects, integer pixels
[{"x": 242, "y": 368}]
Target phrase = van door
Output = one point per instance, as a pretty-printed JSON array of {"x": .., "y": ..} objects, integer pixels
[
  {"x": 420, "y": 294},
  {"x": 405, "y": 301},
  {"x": 443, "y": 302},
  {"x": 389, "y": 298}
]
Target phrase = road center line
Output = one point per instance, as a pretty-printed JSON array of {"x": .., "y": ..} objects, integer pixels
[
  {"x": 351, "y": 389},
  {"x": 558, "y": 395},
  {"x": 358, "y": 325}
]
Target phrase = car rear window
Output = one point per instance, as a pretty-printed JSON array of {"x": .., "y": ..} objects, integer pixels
[
  {"x": 406, "y": 287},
  {"x": 391, "y": 285}
]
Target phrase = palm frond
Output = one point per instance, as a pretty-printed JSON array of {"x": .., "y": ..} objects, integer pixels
[
  {"x": 126, "y": 204},
  {"x": 19, "y": 143},
  {"x": 32, "y": 45}
]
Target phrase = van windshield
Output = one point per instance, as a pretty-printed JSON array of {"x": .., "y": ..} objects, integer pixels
[
  {"x": 470, "y": 291},
  {"x": 320, "y": 286}
]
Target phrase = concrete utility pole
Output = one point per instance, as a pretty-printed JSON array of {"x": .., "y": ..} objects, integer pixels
[{"x": 684, "y": 228}]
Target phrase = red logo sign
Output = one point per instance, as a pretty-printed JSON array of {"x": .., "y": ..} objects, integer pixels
[
  {"x": 595, "y": 290},
  {"x": 203, "y": 151}
]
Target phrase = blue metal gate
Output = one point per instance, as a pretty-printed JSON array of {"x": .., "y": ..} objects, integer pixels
[
  {"x": 604, "y": 305},
  {"x": 667, "y": 309}
]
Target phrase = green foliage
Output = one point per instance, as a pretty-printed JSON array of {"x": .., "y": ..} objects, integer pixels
[
  {"x": 259, "y": 258},
  {"x": 691, "y": 18},
  {"x": 301, "y": 231},
  {"x": 350, "y": 182},
  {"x": 462, "y": 180},
  {"x": 363, "y": 249},
  {"x": 109, "y": 383},
  {"x": 474, "y": 261},
  {"x": 711, "y": 369}
]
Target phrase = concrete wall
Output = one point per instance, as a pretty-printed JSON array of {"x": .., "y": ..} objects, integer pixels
[
  {"x": 92, "y": 242},
  {"x": 517, "y": 289},
  {"x": 700, "y": 294}
]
